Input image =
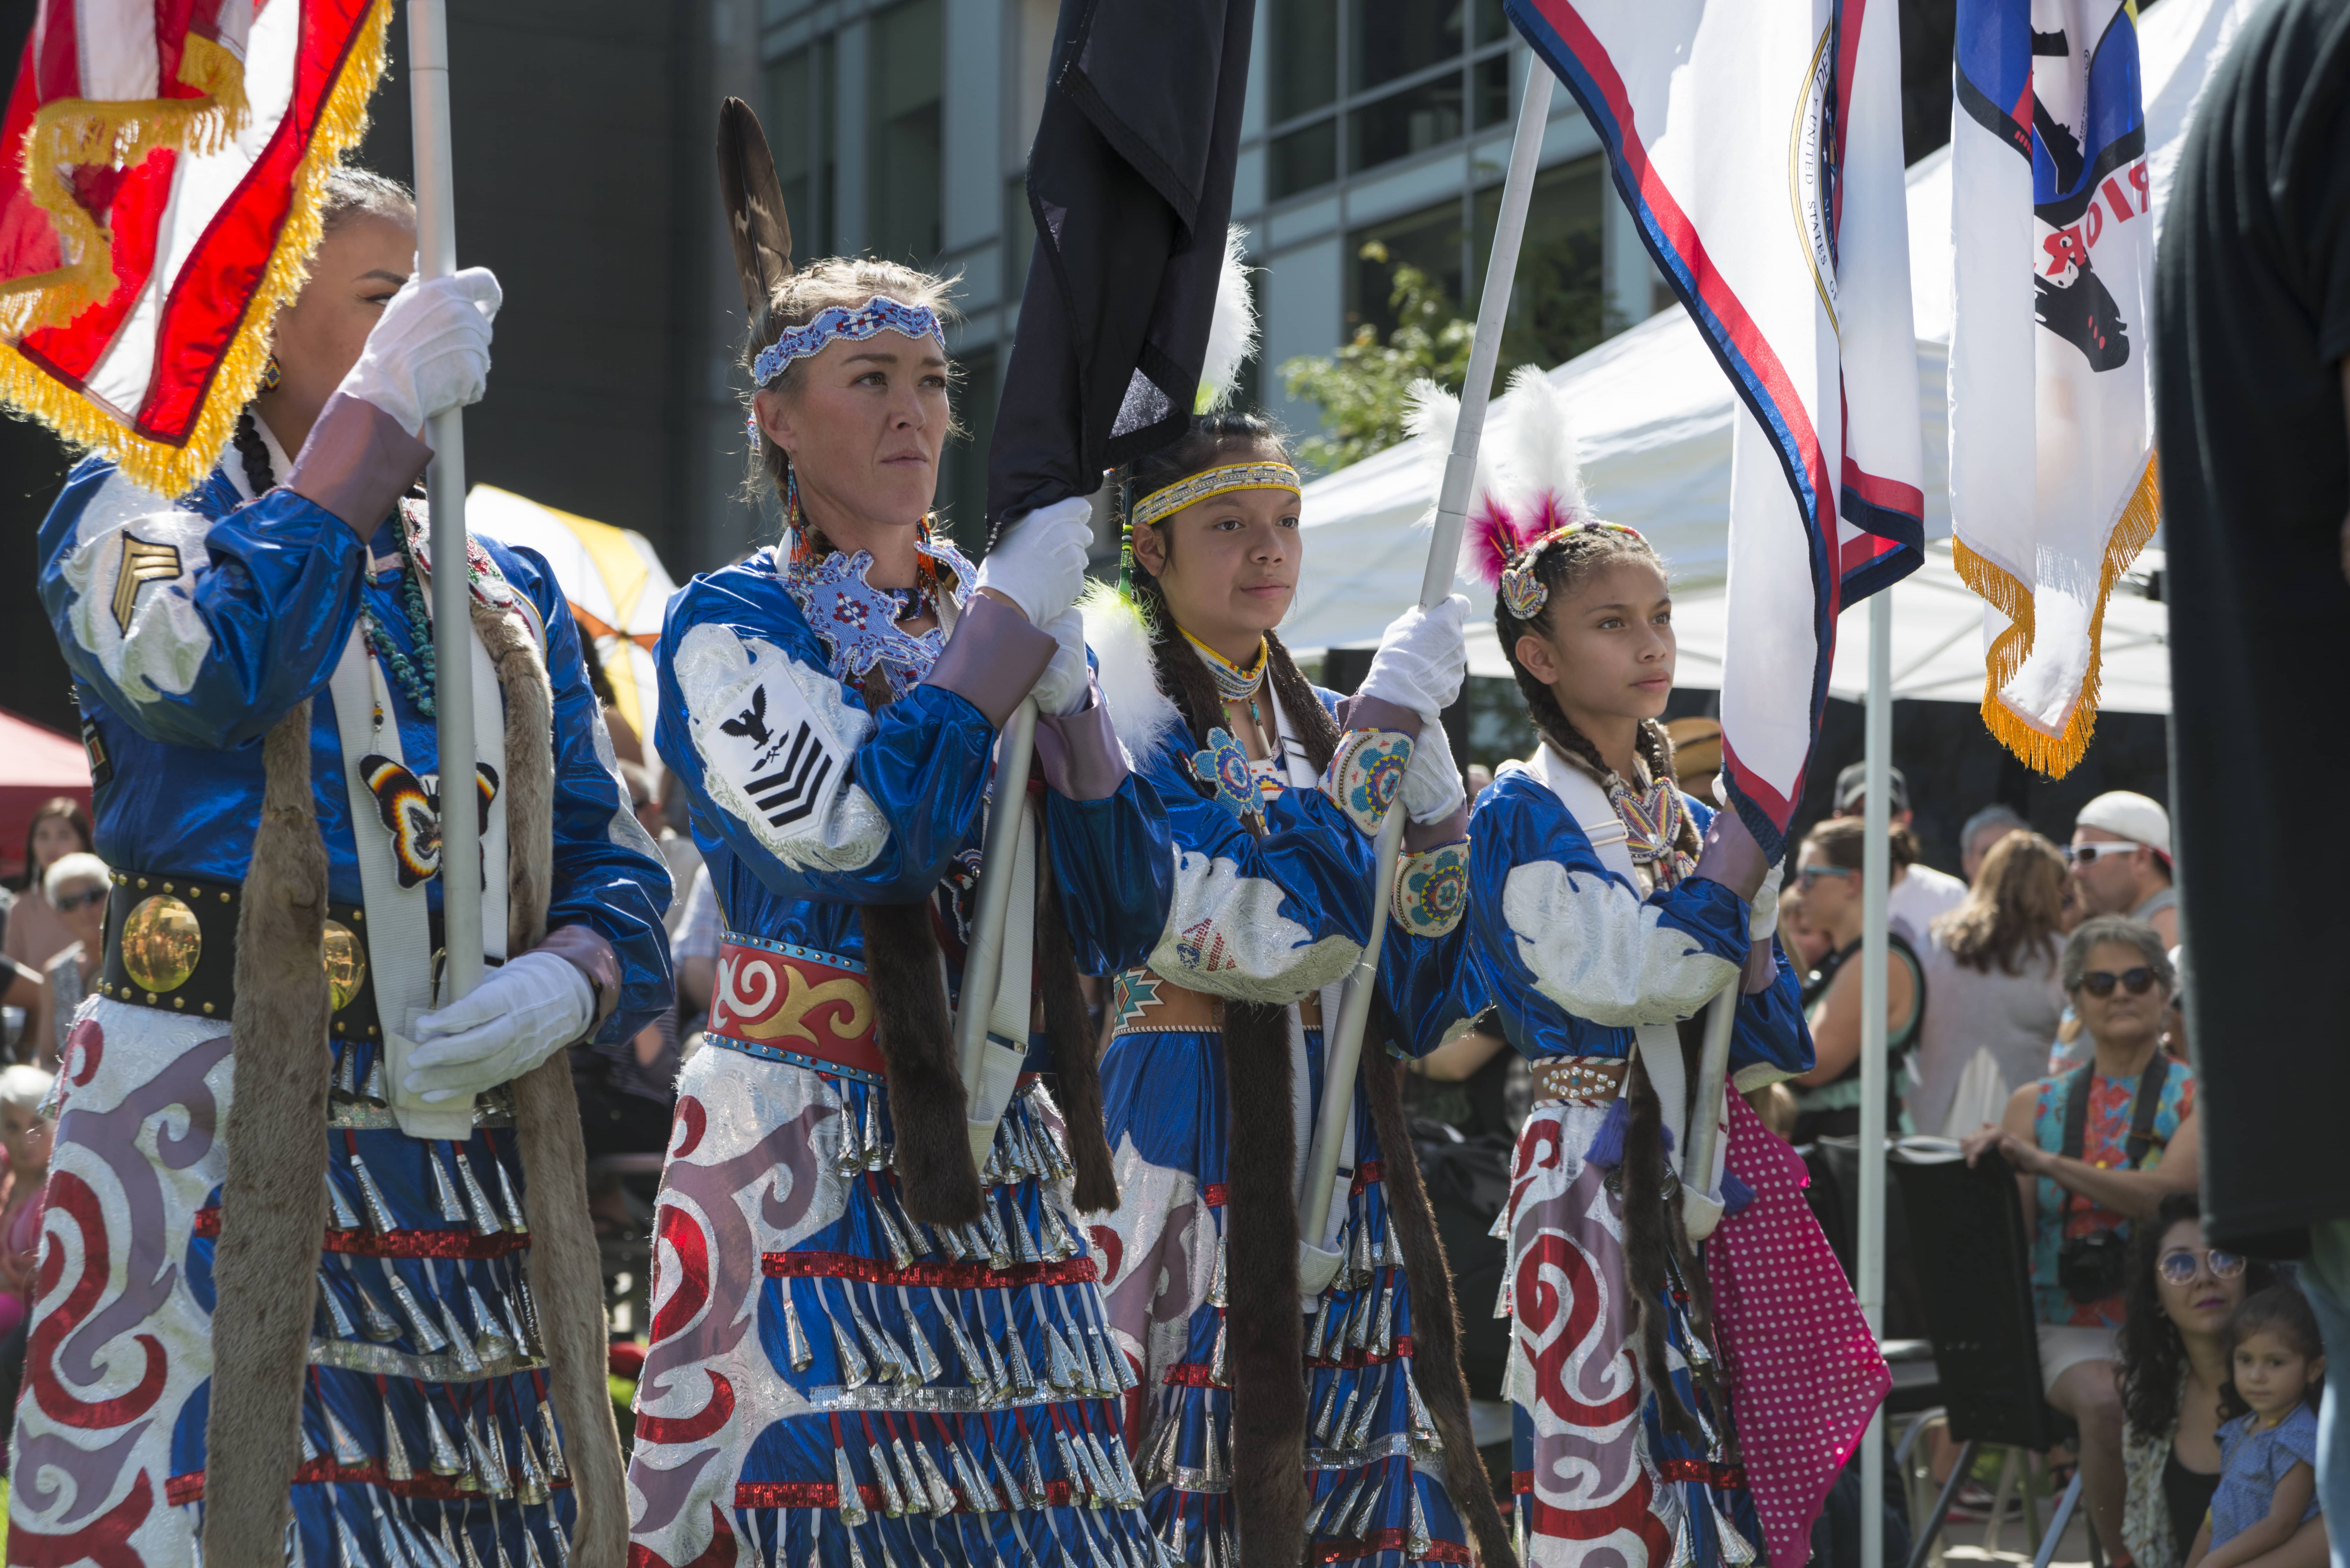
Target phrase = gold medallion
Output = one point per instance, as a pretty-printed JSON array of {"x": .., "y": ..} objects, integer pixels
[
  {"x": 346, "y": 964},
  {"x": 161, "y": 943}
]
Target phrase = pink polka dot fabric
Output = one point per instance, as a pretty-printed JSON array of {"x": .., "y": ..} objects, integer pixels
[{"x": 1804, "y": 1372}]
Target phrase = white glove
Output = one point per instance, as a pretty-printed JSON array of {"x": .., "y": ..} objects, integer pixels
[
  {"x": 522, "y": 1013},
  {"x": 1424, "y": 656},
  {"x": 1763, "y": 922},
  {"x": 429, "y": 352},
  {"x": 1432, "y": 780},
  {"x": 1039, "y": 564},
  {"x": 1060, "y": 690}
]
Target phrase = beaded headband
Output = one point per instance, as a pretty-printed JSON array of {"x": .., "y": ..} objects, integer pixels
[
  {"x": 1523, "y": 592},
  {"x": 877, "y": 315},
  {"x": 1192, "y": 488}
]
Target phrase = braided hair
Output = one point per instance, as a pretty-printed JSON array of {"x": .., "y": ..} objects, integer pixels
[
  {"x": 1564, "y": 565},
  {"x": 1211, "y": 440},
  {"x": 254, "y": 453}
]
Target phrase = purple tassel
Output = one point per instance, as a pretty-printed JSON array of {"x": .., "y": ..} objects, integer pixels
[
  {"x": 1735, "y": 1194},
  {"x": 1607, "y": 1150}
]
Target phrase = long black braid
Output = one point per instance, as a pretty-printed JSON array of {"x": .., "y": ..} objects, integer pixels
[
  {"x": 1656, "y": 1241},
  {"x": 254, "y": 451}
]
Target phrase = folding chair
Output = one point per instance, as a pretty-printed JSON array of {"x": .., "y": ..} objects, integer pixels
[{"x": 1972, "y": 1252}]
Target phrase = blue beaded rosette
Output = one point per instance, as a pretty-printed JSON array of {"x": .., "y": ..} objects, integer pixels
[
  {"x": 1366, "y": 774},
  {"x": 1431, "y": 889},
  {"x": 1223, "y": 767}
]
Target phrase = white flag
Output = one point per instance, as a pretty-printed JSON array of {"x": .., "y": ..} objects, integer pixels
[
  {"x": 2051, "y": 465},
  {"x": 1758, "y": 146}
]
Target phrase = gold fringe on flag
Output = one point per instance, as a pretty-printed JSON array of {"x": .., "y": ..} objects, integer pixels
[
  {"x": 2054, "y": 753},
  {"x": 168, "y": 467}
]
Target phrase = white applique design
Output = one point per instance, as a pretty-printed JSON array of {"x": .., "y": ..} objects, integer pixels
[
  {"x": 775, "y": 738},
  {"x": 143, "y": 629},
  {"x": 1602, "y": 954},
  {"x": 1226, "y": 935}
]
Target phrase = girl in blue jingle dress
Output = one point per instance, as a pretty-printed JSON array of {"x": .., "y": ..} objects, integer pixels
[
  {"x": 1347, "y": 1442},
  {"x": 878, "y": 1334}
]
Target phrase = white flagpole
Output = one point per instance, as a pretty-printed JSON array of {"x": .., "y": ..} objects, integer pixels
[
  {"x": 1876, "y": 888},
  {"x": 983, "y": 956},
  {"x": 452, "y": 623},
  {"x": 1345, "y": 1043}
]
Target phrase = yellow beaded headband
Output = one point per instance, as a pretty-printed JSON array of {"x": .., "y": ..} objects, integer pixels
[{"x": 1194, "y": 488}]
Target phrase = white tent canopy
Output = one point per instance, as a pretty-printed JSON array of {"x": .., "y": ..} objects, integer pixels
[{"x": 1652, "y": 414}]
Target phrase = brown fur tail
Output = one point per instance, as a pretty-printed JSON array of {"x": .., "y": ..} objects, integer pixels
[
  {"x": 1435, "y": 1316},
  {"x": 272, "y": 1202},
  {"x": 1074, "y": 1056},
  {"x": 1264, "y": 1331},
  {"x": 1647, "y": 1241},
  {"x": 927, "y": 1106},
  {"x": 566, "y": 1270}
]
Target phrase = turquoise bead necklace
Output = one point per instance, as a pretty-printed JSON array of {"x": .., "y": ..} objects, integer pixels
[{"x": 417, "y": 687}]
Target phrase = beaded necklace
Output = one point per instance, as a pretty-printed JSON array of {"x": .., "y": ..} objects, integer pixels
[
  {"x": 1234, "y": 684},
  {"x": 416, "y": 686}
]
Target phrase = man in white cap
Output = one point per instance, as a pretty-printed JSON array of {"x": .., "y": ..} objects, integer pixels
[{"x": 2121, "y": 860}]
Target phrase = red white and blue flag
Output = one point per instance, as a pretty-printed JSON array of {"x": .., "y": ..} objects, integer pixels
[
  {"x": 2053, "y": 484},
  {"x": 1758, "y": 145}
]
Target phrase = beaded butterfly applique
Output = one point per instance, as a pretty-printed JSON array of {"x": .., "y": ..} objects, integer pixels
[
  {"x": 1223, "y": 767},
  {"x": 411, "y": 808}
]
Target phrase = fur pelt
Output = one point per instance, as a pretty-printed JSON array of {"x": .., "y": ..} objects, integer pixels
[
  {"x": 1648, "y": 1226},
  {"x": 273, "y": 1203},
  {"x": 1076, "y": 1050},
  {"x": 1435, "y": 1316},
  {"x": 928, "y": 1105},
  {"x": 1264, "y": 1331},
  {"x": 566, "y": 1266}
]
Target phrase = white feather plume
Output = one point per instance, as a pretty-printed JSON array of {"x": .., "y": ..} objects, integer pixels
[
  {"x": 1140, "y": 713},
  {"x": 1538, "y": 450},
  {"x": 1430, "y": 411},
  {"x": 1231, "y": 330}
]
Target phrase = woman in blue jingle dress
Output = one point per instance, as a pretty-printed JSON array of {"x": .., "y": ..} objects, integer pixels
[
  {"x": 1272, "y": 1431},
  {"x": 254, "y": 665},
  {"x": 878, "y": 1333}
]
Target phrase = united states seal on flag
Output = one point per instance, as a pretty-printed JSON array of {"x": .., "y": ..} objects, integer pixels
[
  {"x": 2053, "y": 487},
  {"x": 1758, "y": 146}
]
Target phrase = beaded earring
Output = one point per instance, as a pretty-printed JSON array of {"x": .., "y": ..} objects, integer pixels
[{"x": 273, "y": 374}]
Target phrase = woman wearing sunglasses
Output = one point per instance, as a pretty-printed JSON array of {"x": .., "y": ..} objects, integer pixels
[
  {"x": 2092, "y": 1152},
  {"x": 2174, "y": 1362},
  {"x": 1828, "y": 879}
]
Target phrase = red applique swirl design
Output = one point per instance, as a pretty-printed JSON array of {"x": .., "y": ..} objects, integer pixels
[{"x": 69, "y": 1195}]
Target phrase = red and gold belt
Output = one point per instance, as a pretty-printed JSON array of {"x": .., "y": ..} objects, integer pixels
[{"x": 788, "y": 1003}]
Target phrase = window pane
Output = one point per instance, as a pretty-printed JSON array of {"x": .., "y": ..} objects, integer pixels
[
  {"x": 1489, "y": 90},
  {"x": 1558, "y": 302},
  {"x": 1304, "y": 159},
  {"x": 1304, "y": 63},
  {"x": 1428, "y": 239},
  {"x": 799, "y": 133},
  {"x": 906, "y": 91},
  {"x": 1390, "y": 38},
  {"x": 1492, "y": 25},
  {"x": 1406, "y": 122}
]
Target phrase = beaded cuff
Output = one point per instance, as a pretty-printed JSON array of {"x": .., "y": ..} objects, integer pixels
[
  {"x": 1366, "y": 774},
  {"x": 1431, "y": 889}
]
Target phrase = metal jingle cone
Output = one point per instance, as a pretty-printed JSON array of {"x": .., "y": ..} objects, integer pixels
[
  {"x": 999, "y": 1247},
  {"x": 346, "y": 1080},
  {"x": 875, "y": 1158},
  {"x": 927, "y": 1365},
  {"x": 1174, "y": 1546},
  {"x": 555, "y": 1469},
  {"x": 390, "y": 1545},
  {"x": 1218, "y": 1374},
  {"x": 973, "y": 1372},
  {"x": 849, "y": 1154},
  {"x": 893, "y": 1502},
  {"x": 1001, "y": 1389},
  {"x": 856, "y": 1557},
  {"x": 309, "y": 1445},
  {"x": 535, "y": 1488},
  {"x": 1114, "y": 1446},
  {"x": 339, "y": 1212},
  {"x": 379, "y": 1212},
  {"x": 1373, "y": 1403},
  {"x": 935, "y": 1481},
  {"x": 1111, "y": 1472},
  {"x": 1322, "y": 1505},
  {"x": 1423, "y": 1426},
  {"x": 1160, "y": 1463},
  {"x": 444, "y": 1191},
  {"x": 487, "y": 1221},
  {"x": 1358, "y": 1256},
  {"x": 490, "y": 1339},
  {"x": 1024, "y": 1249},
  {"x": 889, "y": 1359},
  {"x": 916, "y": 1489},
  {"x": 1418, "y": 1542},
  {"x": 1518, "y": 1529},
  {"x": 339, "y": 1317},
  {"x": 530, "y": 1552},
  {"x": 918, "y": 1233},
  {"x": 1346, "y": 1412},
  {"x": 1216, "y": 1283},
  {"x": 1009, "y": 1483},
  {"x": 528, "y": 1302},
  {"x": 526, "y": 1346},
  {"x": 902, "y": 1251},
  {"x": 1358, "y": 1322},
  {"x": 441, "y": 1458},
  {"x": 1337, "y": 1522},
  {"x": 347, "y": 1540},
  {"x": 489, "y": 1460},
  {"x": 1121, "y": 1368},
  {"x": 848, "y": 1498},
  {"x": 460, "y": 1344},
  {"x": 950, "y": 1237},
  {"x": 1031, "y": 1476},
  {"x": 1323, "y": 1431},
  {"x": 1216, "y": 1474},
  {"x": 1735, "y": 1550},
  {"x": 466, "y": 1540},
  {"x": 855, "y": 1372},
  {"x": 1023, "y": 1377},
  {"x": 374, "y": 1322},
  {"x": 396, "y": 1464},
  {"x": 797, "y": 1349},
  {"x": 1367, "y": 1509},
  {"x": 1383, "y": 1335},
  {"x": 1081, "y": 1479},
  {"x": 348, "y": 1452},
  {"x": 517, "y": 1217}
]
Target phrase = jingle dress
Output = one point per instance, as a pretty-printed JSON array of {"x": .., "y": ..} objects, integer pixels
[
  {"x": 191, "y": 627},
  {"x": 1577, "y": 955},
  {"x": 1277, "y": 917},
  {"x": 830, "y": 1381}
]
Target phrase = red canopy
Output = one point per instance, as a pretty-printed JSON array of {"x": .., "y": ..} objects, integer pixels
[{"x": 36, "y": 765}]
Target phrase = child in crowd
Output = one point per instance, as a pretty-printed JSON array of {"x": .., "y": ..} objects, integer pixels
[{"x": 2268, "y": 1451}]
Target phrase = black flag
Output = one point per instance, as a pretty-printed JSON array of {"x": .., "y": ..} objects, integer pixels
[{"x": 1131, "y": 183}]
